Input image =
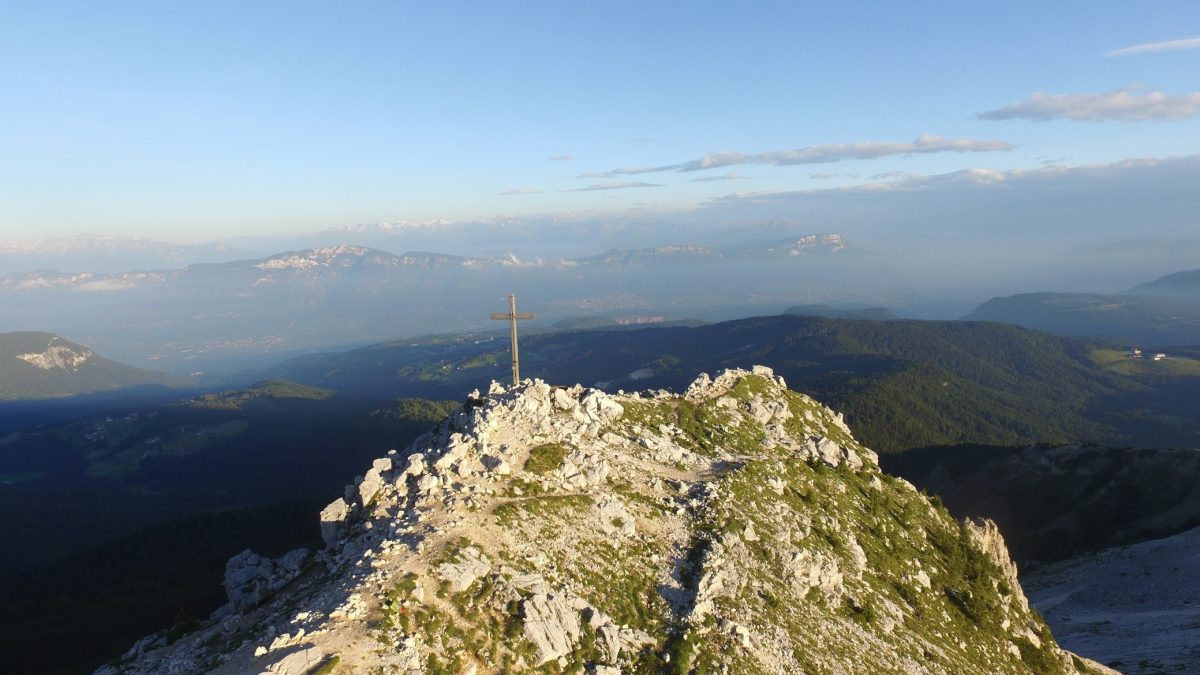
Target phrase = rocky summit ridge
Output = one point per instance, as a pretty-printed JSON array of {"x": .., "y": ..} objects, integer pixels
[{"x": 737, "y": 528}]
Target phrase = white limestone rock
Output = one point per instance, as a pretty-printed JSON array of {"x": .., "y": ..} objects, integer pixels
[
  {"x": 368, "y": 487},
  {"x": 813, "y": 569},
  {"x": 250, "y": 578},
  {"x": 552, "y": 625},
  {"x": 615, "y": 518},
  {"x": 470, "y": 566},
  {"x": 576, "y": 528},
  {"x": 820, "y": 448},
  {"x": 298, "y": 662},
  {"x": 415, "y": 465},
  {"x": 333, "y": 520},
  {"x": 563, "y": 400},
  {"x": 987, "y": 535}
]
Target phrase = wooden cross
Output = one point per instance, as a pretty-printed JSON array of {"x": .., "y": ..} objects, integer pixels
[{"x": 512, "y": 317}]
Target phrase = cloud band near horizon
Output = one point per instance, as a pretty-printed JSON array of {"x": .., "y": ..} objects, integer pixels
[
  {"x": 617, "y": 185},
  {"x": 818, "y": 154},
  {"x": 1131, "y": 104},
  {"x": 1165, "y": 46}
]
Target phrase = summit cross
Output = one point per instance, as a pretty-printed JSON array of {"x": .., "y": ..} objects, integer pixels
[{"x": 512, "y": 316}]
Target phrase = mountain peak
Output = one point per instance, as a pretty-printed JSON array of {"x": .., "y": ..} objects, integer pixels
[
  {"x": 35, "y": 365},
  {"x": 58, "y": 354},
  {"x": 737, "y": 527},
  {"x": 1185, "y": 284},
  {"x": 315, "y": 257}
]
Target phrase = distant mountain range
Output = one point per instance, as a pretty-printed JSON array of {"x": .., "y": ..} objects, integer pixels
[
  {"x": 1185, "y": 284},
  {"x": 234, "y": 314},
  {"x": 100, "y": 254},
  {"x": 42, "y": 365},
  {"x": 1163, "y": 312},
  {"x": 323, "y": 259},
  {"x": 872, "y": 313}
]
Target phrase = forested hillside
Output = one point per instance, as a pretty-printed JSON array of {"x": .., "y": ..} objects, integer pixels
[{"x": 903, "y": 384}]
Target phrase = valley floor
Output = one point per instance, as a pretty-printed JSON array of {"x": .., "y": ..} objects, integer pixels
[{"x": 1135, "y": 608}]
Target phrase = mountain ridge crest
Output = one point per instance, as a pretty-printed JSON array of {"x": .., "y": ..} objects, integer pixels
[{"x": 736, "y": 527}]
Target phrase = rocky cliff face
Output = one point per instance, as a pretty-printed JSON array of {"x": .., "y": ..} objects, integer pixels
[{"x": 736, "y": 528}]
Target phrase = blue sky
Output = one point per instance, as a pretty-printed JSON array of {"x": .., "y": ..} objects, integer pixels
[{"x": 195, "y": 121}]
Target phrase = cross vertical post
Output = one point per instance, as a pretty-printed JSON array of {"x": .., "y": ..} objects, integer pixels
[{"x": 512, "y": 317}]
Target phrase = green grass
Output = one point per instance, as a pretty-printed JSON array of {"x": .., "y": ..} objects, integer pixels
[
  {"x": 269, "y": 389},
  {"x": 488, "y": 360},
  {"x": 892, "y": 525},
  {"x": 544, "y": 459},
  {"x": 518, "y": 510},
  {"x": 648, "y": 414},
  {"x": 1119, "y": 362},
  {"x": 329, "y": 666}
]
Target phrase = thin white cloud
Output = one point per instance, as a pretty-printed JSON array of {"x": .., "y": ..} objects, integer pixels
[
  {"x": 824, "y": 154},
  {"x": 890, "y": 174},
  {"x": 981, "y": 177},
  {"x": 619, "y": 185},
  {"x": 1019, "y": 216},
  {"x": 818, "y": 154},
  {"x": 1167, "y": 46},
  {"x": 521, "y": 191},
  {"x": 709, "y": 179},
  {"x": 628, "y": 171},
  {"x": 560, "y": 158},
  {"x": 1131, "y": 104}
]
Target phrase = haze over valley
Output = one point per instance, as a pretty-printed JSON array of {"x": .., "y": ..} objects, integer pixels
[{"x": 610, "y": 338}]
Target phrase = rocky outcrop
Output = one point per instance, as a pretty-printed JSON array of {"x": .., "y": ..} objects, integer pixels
[
  {"x": 738, "y": 528},
  {"x": 470, "y": 566},
  {"x": 333, "y": 519},
  {"x": 552, "y": 625},
  {"x": 57, "y": 356},
  {"x": 299, "y": 662},
  {"x": 249, "y": 577},
  {"x": 991, "y": 542}
]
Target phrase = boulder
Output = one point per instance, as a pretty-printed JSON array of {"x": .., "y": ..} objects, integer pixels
[
  {"x": 552, "y": 625},
  {"x": 416, "y": 464},
  {"x": 828, "y": 451},
  {"x": 292, "y": 562},
  {"x": 597, "y": 406},
  {"x": 427, "y": 483},
  {"x": 808, "y": 569},
  {"x": 563, "y": 400},
  {"x": 368, "y": 487},
  {"x": 471, "y": 565},
  {"x": 299, "y": 662},
  {"x": 333, "y": 520},
  {"x": 250, "y": 578},
  {"x": 457, "y": 449}
]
